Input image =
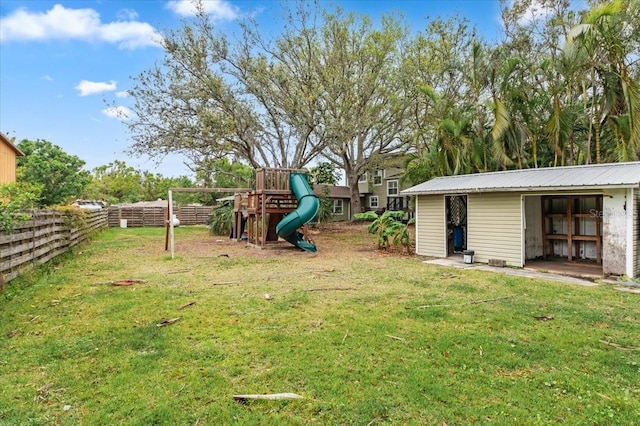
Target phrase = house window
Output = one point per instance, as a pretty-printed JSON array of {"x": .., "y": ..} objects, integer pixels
[
  {"x": 377, "y": 177},
  {"x": 362, "y": 178},
  {"x": 392, "y": 188},
  {"x": 373, "y": 202},
  {"x": 337, "y": 207}
]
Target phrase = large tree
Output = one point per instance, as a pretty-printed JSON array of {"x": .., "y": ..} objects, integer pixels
[
  {"x": 364, "y": 98},
  {"x": 60, "y": 175},
  {"x": 328, "y": 84},
  {"x": 215, "y": 95}
]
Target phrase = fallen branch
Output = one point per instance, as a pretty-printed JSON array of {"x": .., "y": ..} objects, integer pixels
[
  {"x": 473, "y": 302},
  {"x": 193, "y": 302},
  {"x": 330, "y": 289},
  {"x": 227, "y": 283},
  {"x": 618, "y": 346},
  {"x": 396, "y": 338},
  {"x": 179, "y": 271},
  {"x": 270, "y": 396},
  {"x": 165, "y": 321},
  {"x": 124, "y": 282},
  {"x": 544, "y": 318}
]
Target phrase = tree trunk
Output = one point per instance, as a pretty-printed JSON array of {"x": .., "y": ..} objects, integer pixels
[{"x": 355, "y": 195}]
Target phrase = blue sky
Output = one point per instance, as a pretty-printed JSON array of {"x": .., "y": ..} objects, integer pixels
[{"x": 65, "y": 65}]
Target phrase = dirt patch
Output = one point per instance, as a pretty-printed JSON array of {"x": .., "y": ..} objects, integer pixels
[{"x": 356, "y": 239}]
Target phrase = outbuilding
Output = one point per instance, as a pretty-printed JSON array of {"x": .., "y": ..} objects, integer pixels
[
  {"x": 8, "y": 154},
  {"x": 587, "y": 214}
]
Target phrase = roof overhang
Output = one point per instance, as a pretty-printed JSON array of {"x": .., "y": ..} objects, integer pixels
[
  {"x": 537, "y": 189},
  {"x": 10, "y": 144}
]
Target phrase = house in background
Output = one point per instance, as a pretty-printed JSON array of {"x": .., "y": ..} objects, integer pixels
[
  {"x": 587, "y": 215},
  {"x": 380, "y": 190},
  {"x": 8, "y": 154},
  {"x": 340, "y": 197}
]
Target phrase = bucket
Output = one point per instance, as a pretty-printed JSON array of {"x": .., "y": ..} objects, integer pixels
[
  {"x": 467, "y": 255},
  {"x": 123, "y": 223}
]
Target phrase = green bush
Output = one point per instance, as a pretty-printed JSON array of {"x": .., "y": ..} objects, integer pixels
[
  {"x": 221, "y": 219},
  {"x": 15, "y": 198}
]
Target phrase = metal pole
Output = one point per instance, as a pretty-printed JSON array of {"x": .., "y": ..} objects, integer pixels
[{"x": 171, "y": 235}]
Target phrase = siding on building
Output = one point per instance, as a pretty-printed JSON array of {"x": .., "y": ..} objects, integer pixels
[
  {"x": 494, "y": 227},
  {"x": 8, "y": 153},
  {"x": 636, "y": 232},
  {"x": 430, "y": 226}
]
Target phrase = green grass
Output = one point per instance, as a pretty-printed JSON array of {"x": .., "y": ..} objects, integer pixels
[{"x": 365, "y": 337}]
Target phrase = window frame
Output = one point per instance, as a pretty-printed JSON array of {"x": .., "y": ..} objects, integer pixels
[
  {"x": 337, "y": 202},
  {"x": 397, "y": 188},
  {"x": 378, "y": 174},
  {"x": 371, "y": 198}
]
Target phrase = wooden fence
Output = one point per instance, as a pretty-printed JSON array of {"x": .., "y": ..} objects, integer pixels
[
  {"x": 48, "y": 234},
  {"x": 157, "y": 216}
]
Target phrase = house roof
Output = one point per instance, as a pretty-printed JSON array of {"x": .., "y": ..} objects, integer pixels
[
  {"x": 334, "y": 191},
  {"x": 10, "y": 144},
  {"x": 593, "y": 176}
]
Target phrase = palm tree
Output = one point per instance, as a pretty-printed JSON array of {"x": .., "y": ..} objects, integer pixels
[{"x": 605, "y": 36}]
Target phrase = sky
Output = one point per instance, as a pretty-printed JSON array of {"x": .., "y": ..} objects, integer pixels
[{"x": 65, "y": 66}]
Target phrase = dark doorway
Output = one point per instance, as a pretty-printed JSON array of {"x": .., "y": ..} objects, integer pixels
[{"x": 456, "y": 211}]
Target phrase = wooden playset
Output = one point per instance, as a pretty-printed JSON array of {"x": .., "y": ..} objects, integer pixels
[{"x": 279, "y": 207}]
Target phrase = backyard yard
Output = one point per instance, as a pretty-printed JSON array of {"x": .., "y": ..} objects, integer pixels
[{"x": 119, "y": 333}]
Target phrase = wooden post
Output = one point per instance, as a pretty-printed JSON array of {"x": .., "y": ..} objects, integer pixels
[{"x": 171, "y": 230}]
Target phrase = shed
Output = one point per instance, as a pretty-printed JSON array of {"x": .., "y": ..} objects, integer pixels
[
  {"x": 8, "y": 154},
  {"x": 586, "y": 213}
]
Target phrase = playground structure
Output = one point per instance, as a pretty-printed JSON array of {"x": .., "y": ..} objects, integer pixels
[{"x": 279, "y": 207}]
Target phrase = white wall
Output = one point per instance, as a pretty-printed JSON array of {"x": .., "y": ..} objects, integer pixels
[
  {"x": 494, "y": 226},
  {"x": 431, "y": 226},
  {"x": 617, "y": 238}
]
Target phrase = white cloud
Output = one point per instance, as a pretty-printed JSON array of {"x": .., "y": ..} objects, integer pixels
[
  {"x": 120, "y": 112},
  {"x": 76, "y": 24},
  {"x": 86, "y": 87},
  {"x": 122, "y": 94},
  {"x": 129, "y": 35},
  {"x": 219, "y": 9},
  {"x": 47, "y": 77}
]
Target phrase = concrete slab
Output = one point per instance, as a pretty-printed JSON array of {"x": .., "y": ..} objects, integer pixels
[{"x": 526, "y": 273}]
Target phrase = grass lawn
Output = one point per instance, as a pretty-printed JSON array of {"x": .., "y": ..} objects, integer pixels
[{"x": 366, "y": 337}]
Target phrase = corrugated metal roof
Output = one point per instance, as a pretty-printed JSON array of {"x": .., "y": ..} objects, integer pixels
[{"x": 593, "y": 176}]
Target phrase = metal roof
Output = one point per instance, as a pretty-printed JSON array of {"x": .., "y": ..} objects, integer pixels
[{"x": 592, "y": 176}]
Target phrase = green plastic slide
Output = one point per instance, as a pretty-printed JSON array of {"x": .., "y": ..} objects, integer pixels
[{"x": 308, "y": 205}]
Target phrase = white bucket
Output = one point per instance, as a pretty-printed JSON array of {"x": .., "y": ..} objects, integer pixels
[{"x": 123, "y": 223}]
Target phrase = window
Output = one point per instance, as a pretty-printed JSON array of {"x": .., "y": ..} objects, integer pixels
[
  {"x": 337, "y": 207},
  {"x": 392, "y": 188},
  {"x": 377, "y": 177},
  {"x": 362, "y": 178},
  {"x": 373, "y": 202}
]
